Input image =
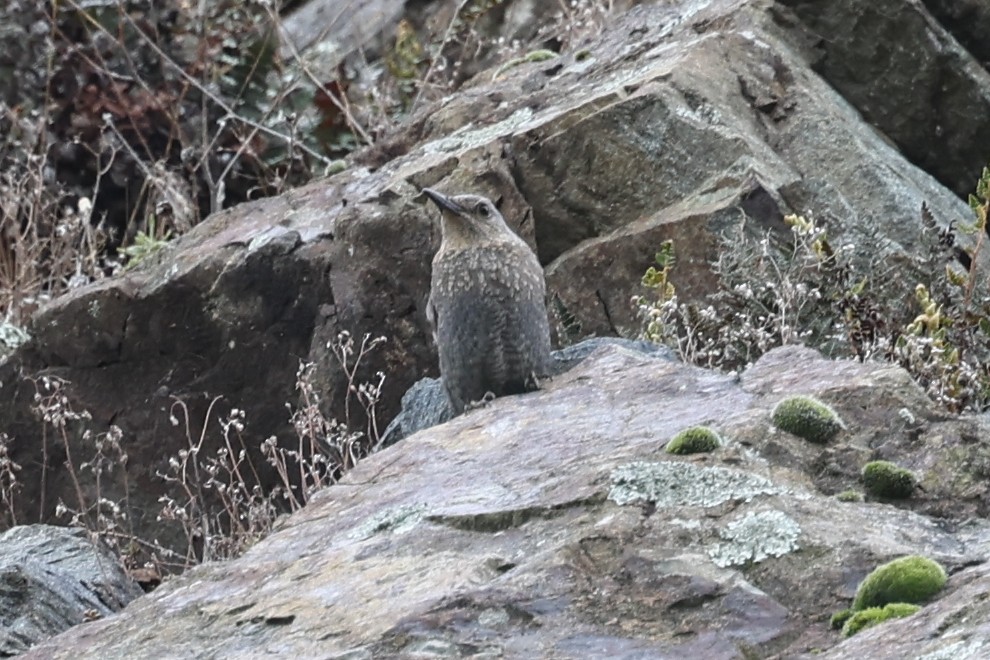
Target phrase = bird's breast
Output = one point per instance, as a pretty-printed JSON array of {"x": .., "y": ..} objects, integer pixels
[{"x": 503, "y": 272}]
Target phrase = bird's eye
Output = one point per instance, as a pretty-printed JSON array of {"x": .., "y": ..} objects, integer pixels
[{"x": 482, "y": 209}]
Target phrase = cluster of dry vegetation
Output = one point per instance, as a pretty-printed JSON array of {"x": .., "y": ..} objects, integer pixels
[{"x": 774, "y": 292}]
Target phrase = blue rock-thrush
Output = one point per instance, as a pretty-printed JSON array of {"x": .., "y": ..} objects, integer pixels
[{"x": 487, "y": 304}]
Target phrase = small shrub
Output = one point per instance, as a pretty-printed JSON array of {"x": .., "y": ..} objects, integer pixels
[
  {"x": 849, "y": 496},
  {"x": 886, "y": 480},
  {"x": 807, "y": 418},
  {"x": 839, "y": 618},
  {"x": 871, "y": 616},
  {"x": 928, "y": 313},
  {"x": 911, "y": 579},
  {"x": 146, "y": 243},
  {"x": 694, "y": 440}
]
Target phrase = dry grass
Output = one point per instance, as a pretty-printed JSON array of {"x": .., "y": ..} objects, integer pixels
[
  {"x": 216, "y": 494},
  {"x": 773, "y": 293}
]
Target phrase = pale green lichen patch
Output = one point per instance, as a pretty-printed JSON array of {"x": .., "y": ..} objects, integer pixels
[
  {"x": 755, "y": 537},
  {"x": 683, "y": 484},
  {"x": 396, "y": 520}
]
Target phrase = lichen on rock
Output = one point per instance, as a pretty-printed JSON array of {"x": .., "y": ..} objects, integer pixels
[
  {"x": 672, "y": 483},
  {"x": 755, "y": 537},
  {"x": 11, "y": 336},
  {"x": 396, "y": 520}
]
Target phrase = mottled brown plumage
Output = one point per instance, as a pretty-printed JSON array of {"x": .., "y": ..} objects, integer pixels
[{"x": 486, "y": 304}]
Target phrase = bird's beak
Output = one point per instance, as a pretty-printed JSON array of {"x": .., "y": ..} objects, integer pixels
[{"x": 443, "y": 202}]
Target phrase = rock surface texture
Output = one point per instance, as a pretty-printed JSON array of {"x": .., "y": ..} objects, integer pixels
[
  {"x": 547, "y": 525},
  {"x": 554, "y": 525},
  {"x": 677, "y": 121},
  {"x": 52, "y": 578}
]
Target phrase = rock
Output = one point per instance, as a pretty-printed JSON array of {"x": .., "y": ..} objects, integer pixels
[
  {"x": 554, "y": 524},
  {"x": 425, "y": 404},
  {"x": 849, "y": 41},
  {"x": 52, "y": 578},
  {"x": 327, "y": 31},
  {"x": 673, "y": 121},
  {"x": 570, "y": 356},
  {"x": 967, "y": 21}
]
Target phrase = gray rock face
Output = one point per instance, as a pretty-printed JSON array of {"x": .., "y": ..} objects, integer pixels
[
  {"x": 553, "y": 524},
  {"x": 52, "y": 578},
  {"x": 846, "y": 42},
  {"x": 425, "y": 404},
  {"x": 672, "y": 121}
]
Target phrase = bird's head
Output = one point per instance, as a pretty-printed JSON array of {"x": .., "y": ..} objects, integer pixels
[{"x": 469, "y": 218}]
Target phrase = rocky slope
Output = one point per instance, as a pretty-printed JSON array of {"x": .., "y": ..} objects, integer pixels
[
  {"x": 554, "y": 525},
  {"x": 677, "y": 121},
  {"x": 496, "y": 532}
]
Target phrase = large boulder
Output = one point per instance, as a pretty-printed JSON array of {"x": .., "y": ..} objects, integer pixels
[
  {"x": 554, "y": 524},
  {"x": 53, "y": 578},
  {"x": 907, "y": 75}
]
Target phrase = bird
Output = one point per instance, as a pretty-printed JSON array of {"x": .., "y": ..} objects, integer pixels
[{"x": 486, "y": 305}]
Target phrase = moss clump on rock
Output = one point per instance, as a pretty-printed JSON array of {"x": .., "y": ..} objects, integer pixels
[
  {"x": 871, "y": 616},
  {"x": 807, "y": 418},
  {"x": 849, "y": 496},
  {"x": 694, "y": 440},
  {"x": 911, "y": 579},
  {"x": 886, "y": 480},
  {"x": 839, "y": 618}
]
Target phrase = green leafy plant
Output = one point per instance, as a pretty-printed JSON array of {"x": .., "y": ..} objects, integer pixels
[
  {"x": 659, "y": 309},
  {"x": 773, "y": 291},
  {"x": 146, "y": 243},
  {"x": 946, "y": 347}
]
